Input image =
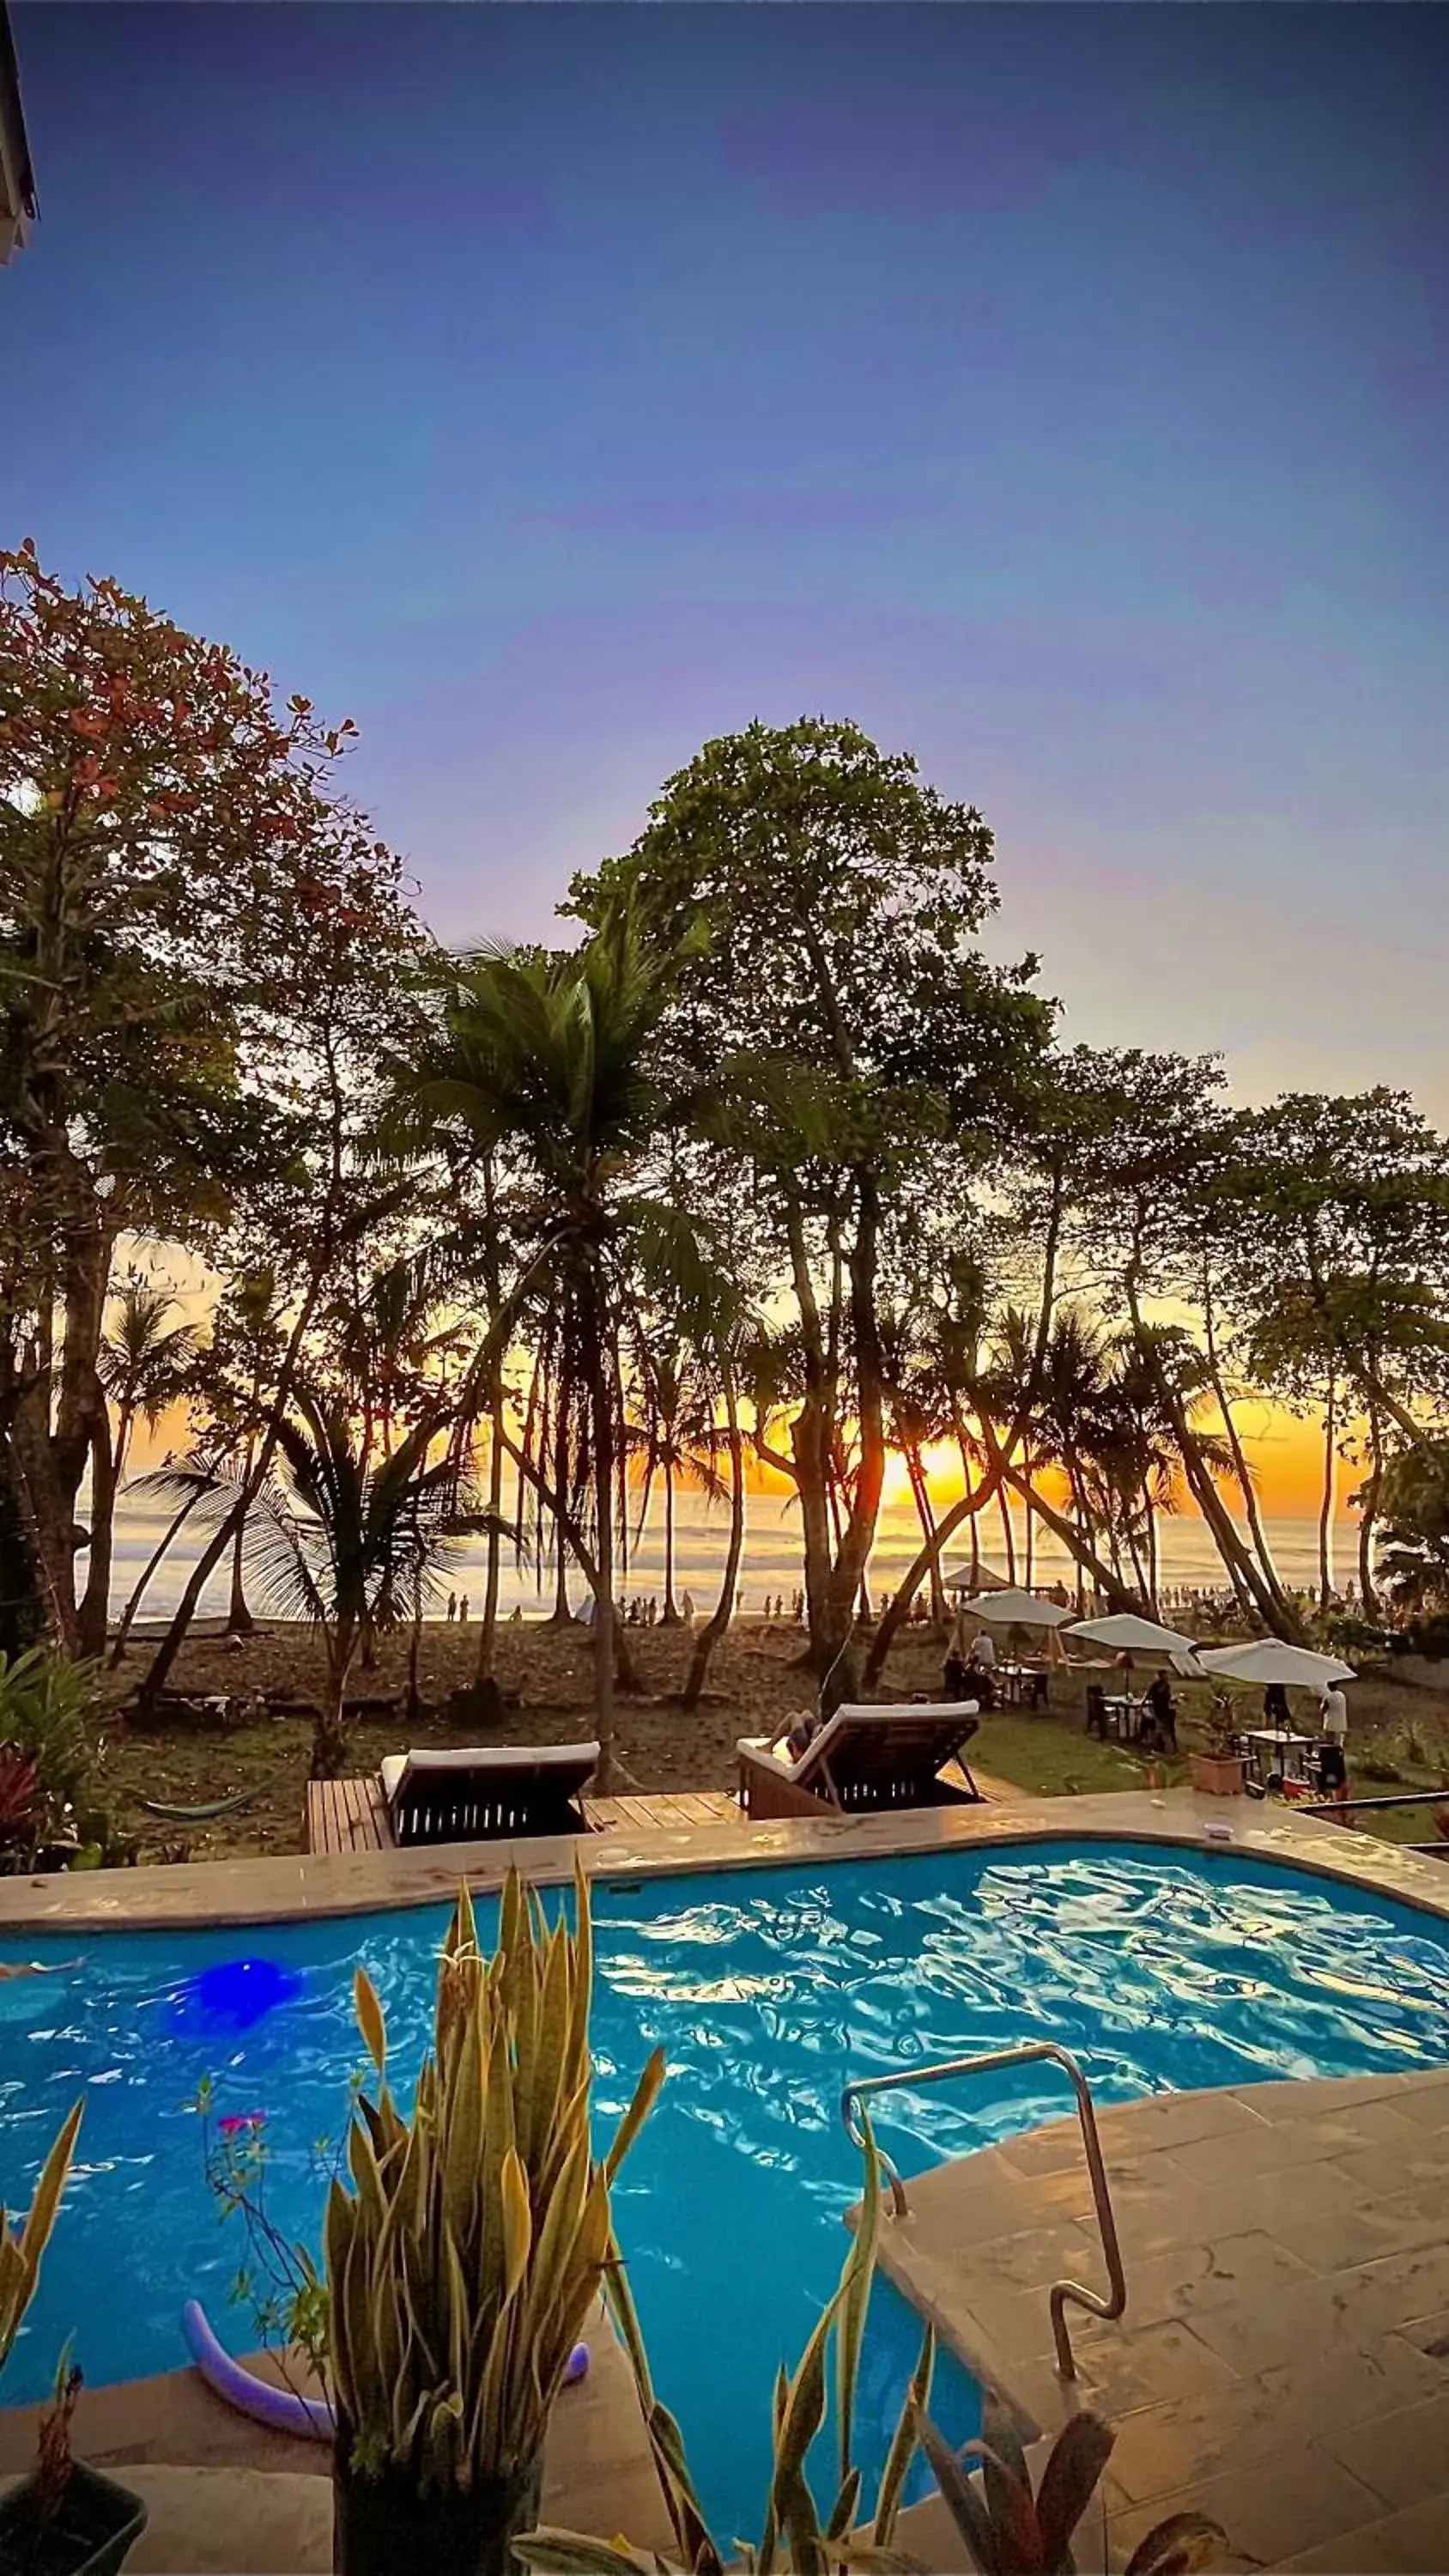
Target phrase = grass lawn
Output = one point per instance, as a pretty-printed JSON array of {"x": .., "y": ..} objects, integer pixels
[{"x": 1039, "y": 1754}]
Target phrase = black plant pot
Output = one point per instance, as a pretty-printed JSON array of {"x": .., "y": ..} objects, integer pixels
[
  {"x": 93, "y": 2534},
  {"x": 384, "y": 2526}
]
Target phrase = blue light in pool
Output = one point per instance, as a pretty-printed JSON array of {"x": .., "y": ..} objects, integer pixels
[{"x": 235, "y": 1995}]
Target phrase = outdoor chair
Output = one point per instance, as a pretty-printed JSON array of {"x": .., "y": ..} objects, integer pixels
[
  {"x": 487, "y": 1793},
  {"x": 864, "y": 1761},
  {"x": 1096, "y": 1710}
]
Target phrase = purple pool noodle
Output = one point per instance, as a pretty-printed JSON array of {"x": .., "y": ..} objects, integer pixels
[{"x": 282, "y": 2410}]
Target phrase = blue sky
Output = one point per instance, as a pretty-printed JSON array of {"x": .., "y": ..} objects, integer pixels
[{"x": 1063, "y": 394}]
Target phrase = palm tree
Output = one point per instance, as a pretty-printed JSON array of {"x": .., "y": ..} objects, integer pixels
[
  {"x": 545, "y": 1058},
  {"x": 338, "y": 1539},
  {"x": 143, "y": 1365},
  {"x": 919, "y": 1413},
  {"x": 677, "y": 1440}
]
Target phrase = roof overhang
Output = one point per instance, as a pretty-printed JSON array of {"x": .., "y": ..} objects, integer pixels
[{"x": 17, "y": 179}]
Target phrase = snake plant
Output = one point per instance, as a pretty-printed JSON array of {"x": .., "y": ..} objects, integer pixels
[
  {"x": 20, "y": 2255},
  {"x": 464, "y": 2261},
  {"x": 797, "y": 2535}
]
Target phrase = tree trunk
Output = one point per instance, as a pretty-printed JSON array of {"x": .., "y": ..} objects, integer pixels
[
  {"x": 47, "y": 1518},
  {"x": 671, "y": 1614},
  {"x": 1008, "y": 1535},
  {"x": 1368, "y": 1515},
  {"x": 22, "y": 1606},
  {"x": 1030, "y": 1566},
  {"x": 329, "y": 1741},
  {"x": 920, "y": 1488},
  {"x": 1325, "y": 1512},
  {"x": 93, "y": 1617},
  {"x": 239, "y": 1620},
  {"x": 838, "y": 1676},
  {"x": 561, "y": 1616},
  {"x": 604, "y": 1621},
  {"x": 488, "y": 1625},
  {"x": 1243, "y": 1569},
  {"x": 1241, "y": 1468},
  {"x": 144, "y": 1583},
  {"x": 710, "y": 1635}
]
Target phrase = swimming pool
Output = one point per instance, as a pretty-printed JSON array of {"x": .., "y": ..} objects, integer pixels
[{"x": 1161, "y": 1968}]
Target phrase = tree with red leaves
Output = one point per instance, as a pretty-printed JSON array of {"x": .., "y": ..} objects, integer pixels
[{"x": 201, "y": 945}]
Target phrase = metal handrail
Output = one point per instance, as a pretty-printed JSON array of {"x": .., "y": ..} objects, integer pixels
[{"x": 1024, "y": 2053}]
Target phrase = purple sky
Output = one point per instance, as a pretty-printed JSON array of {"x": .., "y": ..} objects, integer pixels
[{"x": 1061, "y": 394}]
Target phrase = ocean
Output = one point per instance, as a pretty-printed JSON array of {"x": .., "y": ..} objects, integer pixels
[{"x": 771, "y": 1563}]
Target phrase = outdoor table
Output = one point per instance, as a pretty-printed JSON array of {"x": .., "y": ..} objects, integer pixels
[
  {"x": 1124, "y": 1716},
  {"x": 1272, "y": 1748},
  {"x": 1019, "y": 1684}
]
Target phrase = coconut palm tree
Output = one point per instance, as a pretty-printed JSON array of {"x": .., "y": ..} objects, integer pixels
[
  {"x": 544, "y": 1060},
  {"x": 144, "y": 1362},
  {"x": 677, "y": 1440},
  {"x": 339, "y": 1539}
]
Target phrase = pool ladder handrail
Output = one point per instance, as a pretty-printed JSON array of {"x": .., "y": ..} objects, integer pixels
[{"x": 1024, "y": 2053}]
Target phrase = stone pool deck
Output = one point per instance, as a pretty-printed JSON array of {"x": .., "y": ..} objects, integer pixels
[
  {"x": 1283, "y": 2364},
  {"x": 295, "y": 1887}
]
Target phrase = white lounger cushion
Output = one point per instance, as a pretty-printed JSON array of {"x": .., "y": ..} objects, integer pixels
[
  {"x": 898, "y": 1712},
  {"x": 485, "y": 1757}
]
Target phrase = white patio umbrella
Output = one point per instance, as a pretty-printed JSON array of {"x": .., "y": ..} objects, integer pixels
[
  {"x": 1267, "y": 1659},
  {"x": 1130, "y": 1635},
  {"x": 1016, "y": 1609}
]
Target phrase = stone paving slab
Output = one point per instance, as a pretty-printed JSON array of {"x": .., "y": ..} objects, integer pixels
[{"x": 1284, "y": 2361}]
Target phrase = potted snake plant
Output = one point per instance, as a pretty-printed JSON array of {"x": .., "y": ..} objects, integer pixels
[
  {"x": 64, "y": 2519},
  {"x": 464, "y": 2259}
]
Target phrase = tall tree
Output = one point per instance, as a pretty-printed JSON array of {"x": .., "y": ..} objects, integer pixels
[
  {"x": 144, "y": 1365},
  {"x": 823, "y": 904},
  {"x": 169, "y": 841},
  {"x": 551, "y": 1058},
  {"x": 341, "y": 1538}
]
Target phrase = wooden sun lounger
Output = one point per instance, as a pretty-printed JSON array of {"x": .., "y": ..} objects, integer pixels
[
  {"x": 865, "y": 1761},
  {"x": 353, "y": 1815}
]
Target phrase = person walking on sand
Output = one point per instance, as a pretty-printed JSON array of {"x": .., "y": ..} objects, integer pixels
[
  {"x": 452, "y": 1606},
  {"x": 463, "y": 1611}
]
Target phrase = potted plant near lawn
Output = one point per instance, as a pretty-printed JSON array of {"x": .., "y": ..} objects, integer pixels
[
  {"x": 64, "y": 2519},
  {"x": 1218, "y": 1769}
]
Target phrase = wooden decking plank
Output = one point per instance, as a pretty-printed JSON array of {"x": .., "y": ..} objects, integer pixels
[{"x": 352, "y": 1815}]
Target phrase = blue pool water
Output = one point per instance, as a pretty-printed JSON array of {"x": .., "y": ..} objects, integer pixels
[{"x": 768, "y": 1988}]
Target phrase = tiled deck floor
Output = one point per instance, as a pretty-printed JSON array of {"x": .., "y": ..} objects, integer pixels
[{"x": 1284, "y": 2361}]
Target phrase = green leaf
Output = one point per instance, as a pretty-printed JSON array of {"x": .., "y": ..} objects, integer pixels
[{"x": 903, "y": 2442}]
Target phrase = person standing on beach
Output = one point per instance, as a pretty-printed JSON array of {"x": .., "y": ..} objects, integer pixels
[
  {"x": 452, "y": 1606},
  {"x": 463, "y": 1611}
]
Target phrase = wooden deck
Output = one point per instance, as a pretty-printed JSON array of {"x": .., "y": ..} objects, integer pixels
[{"x": 351, "y": 1815}]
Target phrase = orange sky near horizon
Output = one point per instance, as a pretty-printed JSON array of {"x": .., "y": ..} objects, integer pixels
[{"x": 1285, "y": 1452}]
